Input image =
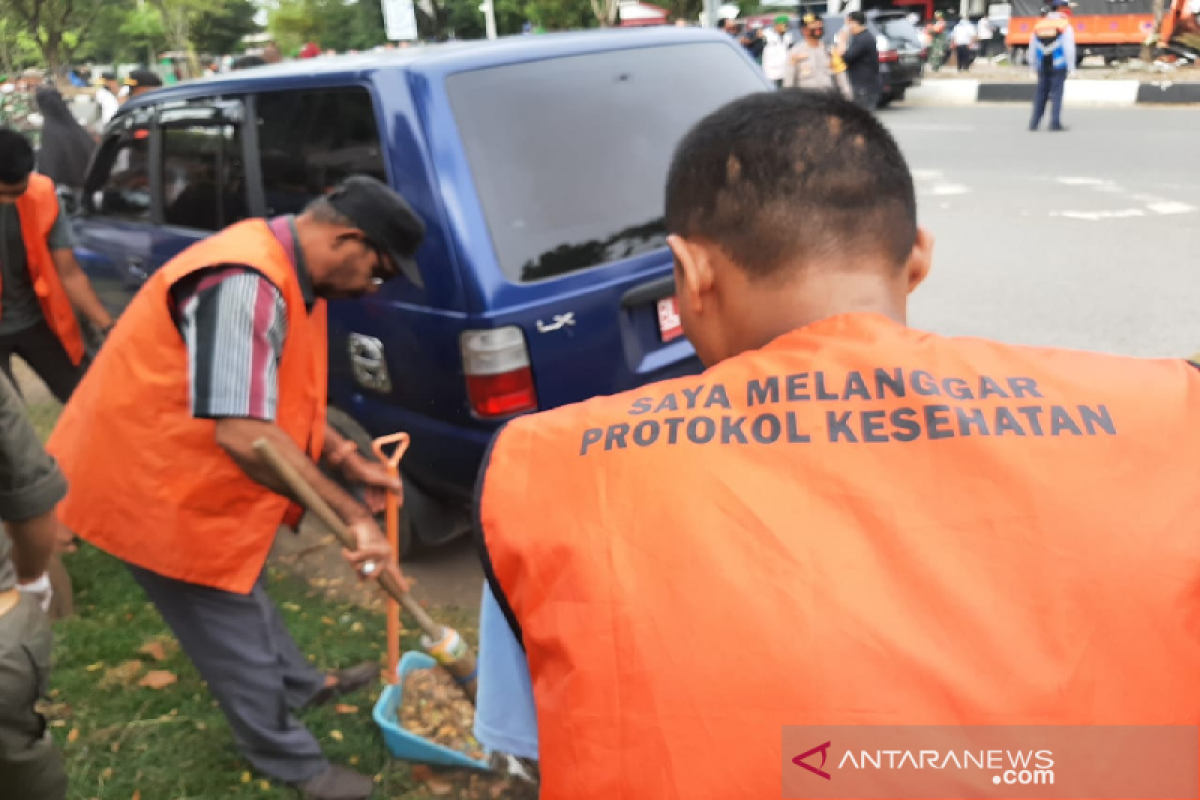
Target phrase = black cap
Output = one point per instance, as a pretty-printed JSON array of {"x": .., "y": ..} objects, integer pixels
[
  {"x": 109, "y": 76},
  {"x": 142, "y": 78},
  {"x": 388, "y": 221}
]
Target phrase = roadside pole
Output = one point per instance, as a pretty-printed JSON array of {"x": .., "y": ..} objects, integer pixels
[
  {"x": 711, "y": 7},
  {"x": 488, "y": 7}
]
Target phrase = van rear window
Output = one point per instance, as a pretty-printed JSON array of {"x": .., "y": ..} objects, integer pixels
[{"x": 570, "y": 155}]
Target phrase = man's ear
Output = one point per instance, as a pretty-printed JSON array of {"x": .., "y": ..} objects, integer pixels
[
  {"x": 693, "y": 272},
  {"x": 920, "y": 260}
]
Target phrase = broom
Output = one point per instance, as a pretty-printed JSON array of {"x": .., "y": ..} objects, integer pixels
[{"x": 442, "y": 642}]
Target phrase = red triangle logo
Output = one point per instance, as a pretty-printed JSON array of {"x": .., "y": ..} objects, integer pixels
[{"x": 823, "y": 749}]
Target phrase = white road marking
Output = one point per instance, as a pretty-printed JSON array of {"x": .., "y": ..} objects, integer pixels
[
  {"x": 1083, "y": 181},
  {"x": 1170, "y": 207},
  {"x": 932, "y": 127},
  {"x": 1096, "y": 216}
]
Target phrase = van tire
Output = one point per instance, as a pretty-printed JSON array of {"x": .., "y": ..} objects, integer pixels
[{"x": 348, "y": 428}]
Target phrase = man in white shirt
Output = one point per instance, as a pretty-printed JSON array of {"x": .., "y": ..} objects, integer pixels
[
  {"x": 106, "y": 96},
  {"x": 986, "y": 32},
  {"x": 775, "y": 54},
  {"x": 964, "y": 38}
]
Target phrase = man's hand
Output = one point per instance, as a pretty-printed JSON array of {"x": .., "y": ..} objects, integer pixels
[
  {"x": 373, "y": 554},
  {"x": 375, "y": 480},
  {"x": 40, "y": 590}
]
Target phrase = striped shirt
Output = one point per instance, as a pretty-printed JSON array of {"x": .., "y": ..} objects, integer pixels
[{"x": 233, "y": 321}]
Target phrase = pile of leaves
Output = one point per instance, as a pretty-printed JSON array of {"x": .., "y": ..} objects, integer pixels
[{"x": 434, "y": 707}]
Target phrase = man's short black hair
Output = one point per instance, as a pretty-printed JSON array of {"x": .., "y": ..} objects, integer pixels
[
  {"x": 16, "y": 156},
  {"x": 780, "y": 178},
  {"x": 858, "y": 17}
]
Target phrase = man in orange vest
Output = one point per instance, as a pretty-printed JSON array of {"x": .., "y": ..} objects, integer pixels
[
  {"x": 225, "y": 345},
  {"x": 41, "y": 284},
  {"x": 844, "y": 520}
]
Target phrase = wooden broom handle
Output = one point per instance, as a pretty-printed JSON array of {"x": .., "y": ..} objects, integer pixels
[{"x": 308, "y": 497}]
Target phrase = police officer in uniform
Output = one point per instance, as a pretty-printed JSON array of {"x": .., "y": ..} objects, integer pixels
[
  {"x": 1052, "y": 58},
  {"x": 31, "y": 767}
]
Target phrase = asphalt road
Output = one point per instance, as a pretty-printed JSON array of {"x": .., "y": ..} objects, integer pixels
[{"x": 1088, "y": 239}]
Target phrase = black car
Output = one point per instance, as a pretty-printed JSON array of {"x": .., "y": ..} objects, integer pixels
[{"x": 902, "y": 54}]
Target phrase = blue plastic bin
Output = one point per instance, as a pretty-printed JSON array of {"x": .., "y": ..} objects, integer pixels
[{"x": 405, "y": 744}]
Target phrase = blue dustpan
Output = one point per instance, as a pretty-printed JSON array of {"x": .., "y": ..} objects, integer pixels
[{"x": 405, "y": 744}]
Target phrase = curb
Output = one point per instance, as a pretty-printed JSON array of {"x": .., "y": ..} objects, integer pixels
[{"x": 1079, "y": 93}]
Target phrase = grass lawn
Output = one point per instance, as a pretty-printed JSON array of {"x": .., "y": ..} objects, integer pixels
[{"x": 122, "y": 740}]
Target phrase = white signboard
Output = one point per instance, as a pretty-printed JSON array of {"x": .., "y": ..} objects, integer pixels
[{"x": 400, "y": 19}]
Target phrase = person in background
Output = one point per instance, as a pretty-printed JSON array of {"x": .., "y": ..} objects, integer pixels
[
  {"x": 1052, "y": 60},
  {"x": 66, "y": 146},
  {"x": 754, "y": 42},
  {"x": 986, "y": 32},
  {"x": 164, "y": 390},
  {"x": 36, "y": 250},
  {"x": 272, "y": 54},
  {"x": 965, "y": 40},
  {"x": 106, "y": 96},
  {"x": 777, "y": 41},
  {"x": 141, "y": 81},
  {"x": 939, "y": 41},
  {"x": 862, "y": 61},
  {"x": 1006, "y": 532},
  {"x": 810, "y": 65},
  {"x": 31, "y": 486}
]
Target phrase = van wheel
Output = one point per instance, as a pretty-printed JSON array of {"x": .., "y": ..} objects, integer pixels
[{"x": 346, "y": 427}]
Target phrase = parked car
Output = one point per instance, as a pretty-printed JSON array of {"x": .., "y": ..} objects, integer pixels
[
  {"x": 902, "y": 54},
  {"x": 538, "y": 163}
]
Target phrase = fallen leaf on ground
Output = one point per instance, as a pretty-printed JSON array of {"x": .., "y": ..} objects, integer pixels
[
  {"x": 345, "y": 709},
  {"x": 73, "y": 735},
  {"x": 291, "y": 606},
  {"x": 439, "y": 787},
  {"x": 107, "y": 773},
  {"x": 264, "y": 785},
  {"x": 158, "y": 679},
  {"x": 137, "y": 794},
  {"x": 96, "y": 666},
  {"x": 421, "y": 773},
  {"x": 335, "y": 735},
  {"x": 155, "y": 650},
  {"x": 245, "y": 777},
  {"x": 353, "y": 760},
  {"x": 122, "y": 675},
  {"x": 327, "y": 620}
]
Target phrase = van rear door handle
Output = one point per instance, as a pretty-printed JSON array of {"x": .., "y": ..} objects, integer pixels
[
  {"x": 649, "y": 292},
  {"x": 137, "y": 268}
]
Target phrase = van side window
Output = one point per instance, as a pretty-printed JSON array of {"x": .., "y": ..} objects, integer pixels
[
  {"x": 204, "y": 179},
  {"x": 119, "y": 184},
  {"x": 309, "y": 141}
]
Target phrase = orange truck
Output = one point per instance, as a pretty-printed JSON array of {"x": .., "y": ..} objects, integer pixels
[{"x": 1115, "y": 29}]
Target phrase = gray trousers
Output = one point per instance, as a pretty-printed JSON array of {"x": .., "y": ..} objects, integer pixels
[
  {"x": 31, "y": 768},
  {"x": 253, "y": 669}
]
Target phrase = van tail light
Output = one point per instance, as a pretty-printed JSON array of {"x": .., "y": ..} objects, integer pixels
[
  {"x": 499, "y": 380},
  {"x": 888, "y": 56}
]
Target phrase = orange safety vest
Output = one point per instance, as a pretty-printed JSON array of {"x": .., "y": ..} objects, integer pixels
[
  {"x": 858, "y": 524},
  {"x": 38, "y": 209},
  {"x": 1049, "y": 29},
  {"x": 148, "y": 482}
]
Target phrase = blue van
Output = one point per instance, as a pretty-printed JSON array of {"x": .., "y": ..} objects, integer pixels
[{"x": 538, "y": 163}]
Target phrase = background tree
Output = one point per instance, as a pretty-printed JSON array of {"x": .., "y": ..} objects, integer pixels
[
  {"x": 58, "y": 27},
  {"x": 222, "y": 33}
]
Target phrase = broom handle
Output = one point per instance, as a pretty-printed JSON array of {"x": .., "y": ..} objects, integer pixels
[{"x": 309, "y": 498}]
